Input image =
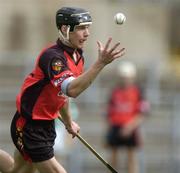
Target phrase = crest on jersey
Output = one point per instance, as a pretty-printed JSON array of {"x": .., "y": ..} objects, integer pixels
[{"x": 57, "y": 66}]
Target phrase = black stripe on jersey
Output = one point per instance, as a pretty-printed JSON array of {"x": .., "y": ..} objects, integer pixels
[{"x": 30, "y": 96}]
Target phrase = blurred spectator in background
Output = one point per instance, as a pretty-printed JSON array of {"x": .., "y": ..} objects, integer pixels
[{"x": 126, "y": 110}]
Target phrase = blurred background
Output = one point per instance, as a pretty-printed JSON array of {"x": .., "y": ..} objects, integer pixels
[{"x": 151, "y": 36}]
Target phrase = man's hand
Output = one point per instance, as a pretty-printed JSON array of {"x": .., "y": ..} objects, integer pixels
[
  {"x": 73, "y": 128},
  {"x": 107, "y": 54}
]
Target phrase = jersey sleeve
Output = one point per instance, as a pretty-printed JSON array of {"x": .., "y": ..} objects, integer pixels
[{"x": 55, "y": 68}]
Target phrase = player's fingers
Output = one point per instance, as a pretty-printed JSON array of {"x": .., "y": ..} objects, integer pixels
[
  {"x": 73, "y": 135},
  {"x": 114, "y": 47},
  {"x": 121, "y": 51},
  {"x": 119, "y": 55},
  {"x": 78, "y": 130},
  {"x": 100, "y": 46},
  {"x": 108, "y": 43}
]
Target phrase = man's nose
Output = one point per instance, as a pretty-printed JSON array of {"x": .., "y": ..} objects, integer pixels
[{"x": 86, "y": 32}]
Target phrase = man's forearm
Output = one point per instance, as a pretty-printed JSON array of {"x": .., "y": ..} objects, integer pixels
[
  {"x": 64, "y": 112},
  {"x": 82, "y": 82}
]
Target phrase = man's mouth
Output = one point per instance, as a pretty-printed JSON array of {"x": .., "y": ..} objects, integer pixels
[{"x": 82, "y": 41}]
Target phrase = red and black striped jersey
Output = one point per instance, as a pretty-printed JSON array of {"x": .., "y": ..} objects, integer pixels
[{"x": 41, "y": 96}]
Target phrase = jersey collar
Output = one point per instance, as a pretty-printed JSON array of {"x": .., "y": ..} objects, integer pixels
[{"x": 68, "y": 49}]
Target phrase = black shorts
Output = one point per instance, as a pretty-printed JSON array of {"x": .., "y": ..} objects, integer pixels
[
  {"x": 115, "y": 139},
  {"x": 33, "y": 138}
]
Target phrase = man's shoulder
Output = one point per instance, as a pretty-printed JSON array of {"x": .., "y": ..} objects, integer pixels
[{"x": 52, "y": 51}]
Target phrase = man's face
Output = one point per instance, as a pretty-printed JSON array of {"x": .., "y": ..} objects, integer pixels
[{"x": 79, "y": 36}]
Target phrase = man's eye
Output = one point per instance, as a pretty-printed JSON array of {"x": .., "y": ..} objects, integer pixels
[{"x": 82, "y": 27}]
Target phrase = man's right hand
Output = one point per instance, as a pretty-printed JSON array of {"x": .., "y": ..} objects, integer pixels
[{"x": 73, "y": 128}]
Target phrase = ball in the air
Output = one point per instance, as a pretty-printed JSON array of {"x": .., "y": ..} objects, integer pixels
[{"x": 119, "y": 18}]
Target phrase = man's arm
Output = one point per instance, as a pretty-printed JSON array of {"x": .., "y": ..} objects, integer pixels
[
  {"x": 106, "y": 55},
  {"x": 65, "y": 114},
  {"x": 72, "y": 127}
]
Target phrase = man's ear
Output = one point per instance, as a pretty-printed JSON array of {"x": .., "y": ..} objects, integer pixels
[{"x": 64, "y": 28}]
